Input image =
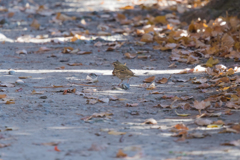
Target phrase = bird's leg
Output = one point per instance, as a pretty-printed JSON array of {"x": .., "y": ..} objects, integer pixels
[
  {"x": 120, "y": 82},
  {"x": 128, "y": 81}
]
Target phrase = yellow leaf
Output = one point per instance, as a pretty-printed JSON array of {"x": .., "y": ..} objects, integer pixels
[
  {"x": 183, "y": 115},
  {"x": 230, "y": 72},
  {"x": 211, "y": 62},
  {"x": 214, "y": 126},
  {"x": 160, "y": 19}
]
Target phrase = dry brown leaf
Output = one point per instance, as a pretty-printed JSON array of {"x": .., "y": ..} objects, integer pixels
[
  {"x": 199, "y": 105},
  {"x": 37, "y": 92},
  {"x": 92, "y": 101},
  {"x": 130, "y": 56},
  {"x": 132, "y": 105},
  {"x": 4, "y": 145},
  {"x": 162, "y": 81},
  {"x": 203, "y": 122},
  {"x": 63, "y": 17},
  {"x": 10, "y": 102},
  {"x": 35, "y": 24},
  {"x": 10, "y": 14},
  {"x": 75, "y": 64},
  {"x": 180, "y": 127},
  {"x": 149, "y": 79},
  {"x": 67, "y": 49},
  {"x": 113, "y": 98},
  {"x": 121, "y": 154},
  {"x": 147, "y": 38},
  {"x": 227, "y": 42},
  {"x": 232, "y": 143},
  {"x": 104, "y": 100},
  {"x": 144, "y": 56},
  {"x": 83, "y": 52},
  {"x": 3, "y": 96}
]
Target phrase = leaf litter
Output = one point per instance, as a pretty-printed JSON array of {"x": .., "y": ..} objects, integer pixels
[{"x": 199, "y": 43}]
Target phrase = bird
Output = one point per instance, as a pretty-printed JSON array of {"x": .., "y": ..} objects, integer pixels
[{"x": 122, "y": 71}]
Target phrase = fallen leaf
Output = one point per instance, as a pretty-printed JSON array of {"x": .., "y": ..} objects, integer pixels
[
  {"x": 162, "y": 81},
  {"x": 83, "y": 52},
  {"x": 211, "y": 62},
  {"x": 180, "y": 127},
  {"x": 56, "y": 149},
  {"x": 37, "y": 92},
  {"x": 75, "y": 64},
  {"x": 3, "y": 96},
  {"x": 144, "y": 56},
  {"x": 113, "y": 98},
  {"x": 182, "y": 115},
  {"x": 25, "y": 77},
  {"x": 203, "y": 122},
  {"x": 4, "y": 145},
  {"x": 214, "y": 126},
  {"x": 149, "y": 79},
  {"x": 121, "y": 154},
  {"x": 104, "y": 100},
  {"x": 10, "y": 14},
  {"x": 147, "y": 38},
  {"x": 160, "y": 19},
  {"x": 10, "y": 102},
  {"x": 92, "y": 101},
  {"x": 63, "y": 17},
  {"x": 130, "y": 56},
  {"x": 67, "y": 49},
  {"x": 232, "y": 143},
  {"x": 132, "y": 105},
  {"x": 200, "y": 105}
]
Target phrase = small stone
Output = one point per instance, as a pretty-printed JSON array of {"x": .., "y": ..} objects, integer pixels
[
  {"x": 11, "y": 72},
  {"x": 150, "y": 121},
  {"x": 125, "y": 86},
  {"x": 43, "y": 97},
  {"x": 19, "y": 81}
]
